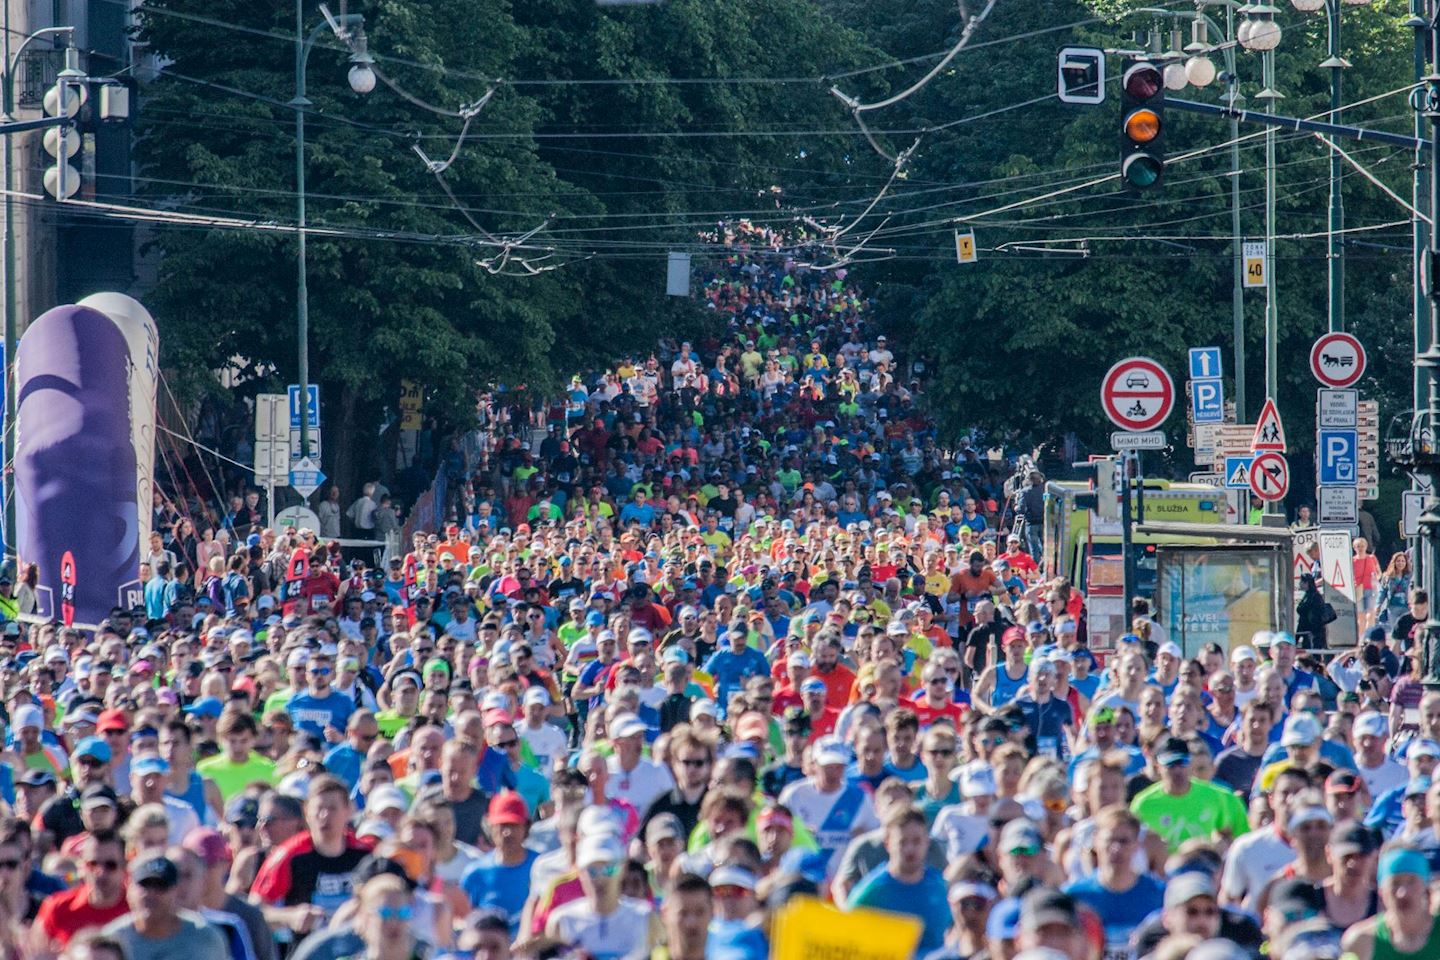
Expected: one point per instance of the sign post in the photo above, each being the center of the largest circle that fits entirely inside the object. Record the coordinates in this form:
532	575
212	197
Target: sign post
272	447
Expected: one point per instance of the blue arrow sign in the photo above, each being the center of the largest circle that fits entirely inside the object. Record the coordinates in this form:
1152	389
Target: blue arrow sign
1204	363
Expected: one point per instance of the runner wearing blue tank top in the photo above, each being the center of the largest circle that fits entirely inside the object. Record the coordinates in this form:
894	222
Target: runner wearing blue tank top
998	685
184	783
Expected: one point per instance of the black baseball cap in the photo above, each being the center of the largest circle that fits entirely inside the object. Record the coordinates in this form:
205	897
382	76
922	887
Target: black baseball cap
1349	836
1297	899
156	872
243	812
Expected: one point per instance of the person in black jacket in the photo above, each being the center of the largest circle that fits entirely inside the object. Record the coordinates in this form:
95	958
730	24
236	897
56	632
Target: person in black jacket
1312	614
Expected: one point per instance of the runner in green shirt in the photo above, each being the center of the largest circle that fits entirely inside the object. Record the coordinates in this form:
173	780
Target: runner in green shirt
1180	808
236	766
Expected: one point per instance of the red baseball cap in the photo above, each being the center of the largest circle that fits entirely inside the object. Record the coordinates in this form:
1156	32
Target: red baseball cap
507	806
113	720
495	716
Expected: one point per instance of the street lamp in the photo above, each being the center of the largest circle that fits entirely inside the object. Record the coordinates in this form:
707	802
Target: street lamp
1259	32
1336	64
350	29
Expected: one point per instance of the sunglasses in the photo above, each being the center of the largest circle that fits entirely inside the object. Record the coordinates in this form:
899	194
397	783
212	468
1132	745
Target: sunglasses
603	869
394	913
941	752
696	763
506	744
729	891
320	671
103	864
974	903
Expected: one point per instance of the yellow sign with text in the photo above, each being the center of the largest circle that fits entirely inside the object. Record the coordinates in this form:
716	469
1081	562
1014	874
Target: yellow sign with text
809	929
412	401
965	246
1254	256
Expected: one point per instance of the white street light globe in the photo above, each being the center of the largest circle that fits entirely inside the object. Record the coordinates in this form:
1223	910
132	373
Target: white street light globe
1175	78
1308	6
362	78
1242	33
1265	35
52	181
1200	71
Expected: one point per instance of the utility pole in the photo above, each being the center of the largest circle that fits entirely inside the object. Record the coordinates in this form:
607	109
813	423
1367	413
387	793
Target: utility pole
1335	256
1419	451
1420	238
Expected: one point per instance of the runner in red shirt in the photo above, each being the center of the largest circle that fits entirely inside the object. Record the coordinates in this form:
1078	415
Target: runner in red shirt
1020	561
96	901
822	717
305	879
934	702
837	677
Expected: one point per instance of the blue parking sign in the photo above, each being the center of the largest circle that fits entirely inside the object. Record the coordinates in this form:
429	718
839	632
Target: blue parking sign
1338	454
1207	400
1204	363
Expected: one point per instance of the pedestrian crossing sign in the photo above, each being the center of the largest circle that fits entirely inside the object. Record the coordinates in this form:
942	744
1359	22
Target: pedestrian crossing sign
1237	472
1269	431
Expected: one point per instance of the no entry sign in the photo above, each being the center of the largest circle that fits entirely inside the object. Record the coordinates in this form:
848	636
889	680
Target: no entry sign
1137	394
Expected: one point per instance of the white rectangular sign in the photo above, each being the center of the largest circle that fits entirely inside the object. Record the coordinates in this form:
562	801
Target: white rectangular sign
1151	440
1337	408
1339	505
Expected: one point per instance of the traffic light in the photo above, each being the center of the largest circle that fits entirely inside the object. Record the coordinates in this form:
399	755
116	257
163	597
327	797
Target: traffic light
1142	123
66	97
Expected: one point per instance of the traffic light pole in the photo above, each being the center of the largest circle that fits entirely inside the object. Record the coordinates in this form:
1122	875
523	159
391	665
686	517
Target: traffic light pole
1297	123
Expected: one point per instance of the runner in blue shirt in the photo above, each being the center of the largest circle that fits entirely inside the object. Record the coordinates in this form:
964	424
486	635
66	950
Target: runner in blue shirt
731	666
905	884
501	878
1121	897
319	707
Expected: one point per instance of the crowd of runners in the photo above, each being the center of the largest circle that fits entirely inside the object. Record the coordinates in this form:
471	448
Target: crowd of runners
736	630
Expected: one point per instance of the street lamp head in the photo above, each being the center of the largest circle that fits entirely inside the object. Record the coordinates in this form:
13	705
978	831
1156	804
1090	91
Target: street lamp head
1175	76
1200	70
1308	6
1265	35
362	78
1242	34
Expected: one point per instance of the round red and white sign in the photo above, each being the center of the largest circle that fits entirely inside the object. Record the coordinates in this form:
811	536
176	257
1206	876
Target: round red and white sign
1337	360
1137	394
1270	477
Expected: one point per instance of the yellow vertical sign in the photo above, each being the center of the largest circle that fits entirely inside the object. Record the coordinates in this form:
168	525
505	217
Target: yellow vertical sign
412	401
965	246
1254	257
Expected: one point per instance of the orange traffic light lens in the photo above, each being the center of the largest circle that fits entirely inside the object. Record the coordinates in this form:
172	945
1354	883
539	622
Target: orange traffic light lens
1142	126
